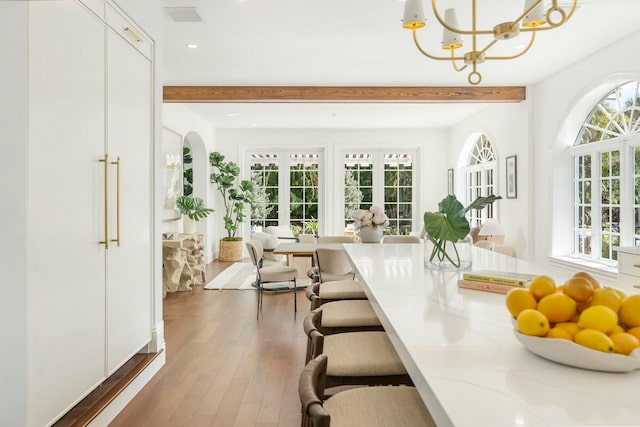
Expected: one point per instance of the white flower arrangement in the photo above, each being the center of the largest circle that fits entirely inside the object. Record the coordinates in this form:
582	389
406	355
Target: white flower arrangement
374	216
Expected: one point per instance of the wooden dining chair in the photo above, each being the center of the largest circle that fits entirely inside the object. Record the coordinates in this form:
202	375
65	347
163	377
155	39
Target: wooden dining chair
276	273
384	406
401	239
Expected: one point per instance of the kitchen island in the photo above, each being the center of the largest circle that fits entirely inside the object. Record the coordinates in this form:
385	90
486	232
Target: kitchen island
459	348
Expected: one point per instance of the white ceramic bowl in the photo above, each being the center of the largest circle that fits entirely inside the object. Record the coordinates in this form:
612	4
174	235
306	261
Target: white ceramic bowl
572	354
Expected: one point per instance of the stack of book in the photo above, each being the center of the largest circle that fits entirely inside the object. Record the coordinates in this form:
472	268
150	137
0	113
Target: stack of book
494	281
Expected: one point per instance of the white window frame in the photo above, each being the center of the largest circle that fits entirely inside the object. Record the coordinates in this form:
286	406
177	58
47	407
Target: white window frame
284	172
378	159
471	172
625	141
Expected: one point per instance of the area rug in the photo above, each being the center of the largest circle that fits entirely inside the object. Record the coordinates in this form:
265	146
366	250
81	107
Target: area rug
242	275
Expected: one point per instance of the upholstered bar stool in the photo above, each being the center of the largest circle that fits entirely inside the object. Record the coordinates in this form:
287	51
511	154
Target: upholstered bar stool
346	316
363	406
357	358
337	290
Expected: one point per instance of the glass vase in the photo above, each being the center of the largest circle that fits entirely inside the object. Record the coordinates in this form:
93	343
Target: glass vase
447	255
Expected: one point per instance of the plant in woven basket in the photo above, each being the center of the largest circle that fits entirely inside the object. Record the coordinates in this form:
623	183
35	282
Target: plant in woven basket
234	195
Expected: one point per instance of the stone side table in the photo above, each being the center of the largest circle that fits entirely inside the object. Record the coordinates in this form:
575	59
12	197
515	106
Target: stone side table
182	262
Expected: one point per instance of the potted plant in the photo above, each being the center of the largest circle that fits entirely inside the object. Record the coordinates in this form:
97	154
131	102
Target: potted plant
193	210
234	197
369	223
446	229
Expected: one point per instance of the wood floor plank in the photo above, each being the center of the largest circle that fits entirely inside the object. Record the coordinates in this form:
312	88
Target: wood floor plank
223	367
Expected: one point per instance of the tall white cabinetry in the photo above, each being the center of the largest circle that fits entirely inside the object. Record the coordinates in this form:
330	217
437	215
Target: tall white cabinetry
89	200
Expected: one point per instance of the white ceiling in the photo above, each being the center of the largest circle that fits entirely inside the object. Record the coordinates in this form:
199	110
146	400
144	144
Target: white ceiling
361	43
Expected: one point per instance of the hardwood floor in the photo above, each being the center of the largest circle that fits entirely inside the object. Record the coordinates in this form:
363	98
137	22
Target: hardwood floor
223	367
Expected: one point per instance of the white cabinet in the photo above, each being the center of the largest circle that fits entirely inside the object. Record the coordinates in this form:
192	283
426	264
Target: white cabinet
629	269
89	307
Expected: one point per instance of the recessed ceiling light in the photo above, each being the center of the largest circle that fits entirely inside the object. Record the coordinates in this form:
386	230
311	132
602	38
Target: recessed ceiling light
232	114
192	46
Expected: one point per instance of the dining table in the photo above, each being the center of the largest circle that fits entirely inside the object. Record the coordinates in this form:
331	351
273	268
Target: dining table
459	347
304	249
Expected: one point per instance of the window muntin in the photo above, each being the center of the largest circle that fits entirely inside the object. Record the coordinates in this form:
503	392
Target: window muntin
303	191
480	174
264	175
606	184
290	180
398	192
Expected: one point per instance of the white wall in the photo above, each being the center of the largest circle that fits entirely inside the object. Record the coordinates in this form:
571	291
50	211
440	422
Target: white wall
560	105
507	127
13	213
180	119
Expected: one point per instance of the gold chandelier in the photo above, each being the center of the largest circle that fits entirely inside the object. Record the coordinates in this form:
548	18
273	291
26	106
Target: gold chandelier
533	19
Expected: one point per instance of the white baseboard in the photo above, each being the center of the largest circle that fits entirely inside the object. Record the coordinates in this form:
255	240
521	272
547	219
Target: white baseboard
157	343
117	405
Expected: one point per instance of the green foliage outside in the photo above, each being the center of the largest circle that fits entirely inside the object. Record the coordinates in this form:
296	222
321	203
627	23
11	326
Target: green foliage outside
187	174
260	207
352	194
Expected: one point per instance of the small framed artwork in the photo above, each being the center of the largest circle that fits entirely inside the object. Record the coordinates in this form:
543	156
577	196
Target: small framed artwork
450	181
512	177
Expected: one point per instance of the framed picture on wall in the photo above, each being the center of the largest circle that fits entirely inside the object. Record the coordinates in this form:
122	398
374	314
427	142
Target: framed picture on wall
450	181
512	177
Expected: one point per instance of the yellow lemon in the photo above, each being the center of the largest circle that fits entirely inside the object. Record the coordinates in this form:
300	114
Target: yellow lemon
589	277
532	322
630	311
635	332
541	286
571	327
560	333
578	288
607	297
598	317
557	307
519	299
616	329
595	340
624	343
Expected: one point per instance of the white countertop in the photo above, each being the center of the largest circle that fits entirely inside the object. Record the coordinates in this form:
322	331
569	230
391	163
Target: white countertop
459	348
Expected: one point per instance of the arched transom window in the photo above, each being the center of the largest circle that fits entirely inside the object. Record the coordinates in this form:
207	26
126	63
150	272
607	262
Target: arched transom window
606	176
480	174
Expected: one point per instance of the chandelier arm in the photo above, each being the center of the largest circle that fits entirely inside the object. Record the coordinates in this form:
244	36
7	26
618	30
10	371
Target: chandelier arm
456	30
494	41
533	37
427	54
453	62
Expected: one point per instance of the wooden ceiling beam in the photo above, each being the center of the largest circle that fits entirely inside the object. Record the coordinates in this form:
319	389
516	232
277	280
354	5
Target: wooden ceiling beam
374	94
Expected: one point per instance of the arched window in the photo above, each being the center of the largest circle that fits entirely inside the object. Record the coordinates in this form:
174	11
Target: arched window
606	176
480	178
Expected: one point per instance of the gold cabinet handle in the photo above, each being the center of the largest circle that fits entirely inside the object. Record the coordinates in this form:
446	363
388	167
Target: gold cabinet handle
105	160
132	34
117	163
637	265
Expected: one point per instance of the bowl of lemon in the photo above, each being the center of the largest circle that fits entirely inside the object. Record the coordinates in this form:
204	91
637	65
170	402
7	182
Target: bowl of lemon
579	323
